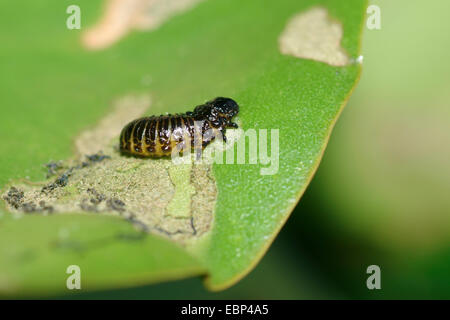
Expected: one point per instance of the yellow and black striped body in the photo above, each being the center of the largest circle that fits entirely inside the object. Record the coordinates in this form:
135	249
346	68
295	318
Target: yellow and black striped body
158	136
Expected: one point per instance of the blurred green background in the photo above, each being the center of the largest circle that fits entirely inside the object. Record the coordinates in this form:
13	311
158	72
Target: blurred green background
380	195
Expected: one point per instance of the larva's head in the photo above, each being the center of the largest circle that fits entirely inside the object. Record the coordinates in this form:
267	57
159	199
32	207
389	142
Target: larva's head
219	111
225	107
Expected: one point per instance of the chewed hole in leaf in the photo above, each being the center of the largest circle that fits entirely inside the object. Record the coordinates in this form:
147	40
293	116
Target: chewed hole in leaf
314	35
162	197
120	17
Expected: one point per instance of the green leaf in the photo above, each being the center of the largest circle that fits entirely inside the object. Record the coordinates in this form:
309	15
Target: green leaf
56	88
37	251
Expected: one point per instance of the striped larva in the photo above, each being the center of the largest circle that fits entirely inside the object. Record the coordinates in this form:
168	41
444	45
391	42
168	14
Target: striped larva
157	136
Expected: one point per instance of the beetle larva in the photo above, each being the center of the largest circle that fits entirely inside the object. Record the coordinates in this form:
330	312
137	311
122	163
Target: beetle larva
157	136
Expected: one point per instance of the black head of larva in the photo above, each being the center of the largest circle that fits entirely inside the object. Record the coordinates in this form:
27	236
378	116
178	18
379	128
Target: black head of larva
219	111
